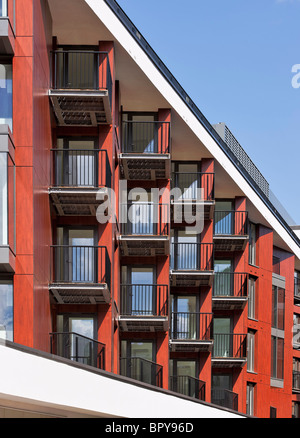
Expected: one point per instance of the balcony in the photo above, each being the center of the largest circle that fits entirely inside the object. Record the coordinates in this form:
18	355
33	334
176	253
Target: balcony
77	177
229	350
297	291
187	385
144	308
195	194
225	398
191	332
145	150
230	291
81	274
144	229
230	230
7	26
191	264
78	348
142	370
296	382
81	89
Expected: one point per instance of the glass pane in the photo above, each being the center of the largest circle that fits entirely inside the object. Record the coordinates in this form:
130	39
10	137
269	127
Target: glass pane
3	200
141	367
3	8
187	180
6	310
222	337
81	258
80	70
6	94
142	291
185	320
223	282
82	349
223	218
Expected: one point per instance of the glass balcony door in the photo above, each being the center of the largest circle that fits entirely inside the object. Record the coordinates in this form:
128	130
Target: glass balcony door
184	317
183	374
185	251
187	179
140	133
223	278
141	215
222	338
221	383
137	361
76	163
6	94
224	218
77	343
77	69
139	289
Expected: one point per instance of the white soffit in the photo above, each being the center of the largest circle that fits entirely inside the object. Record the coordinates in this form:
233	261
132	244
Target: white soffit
115	26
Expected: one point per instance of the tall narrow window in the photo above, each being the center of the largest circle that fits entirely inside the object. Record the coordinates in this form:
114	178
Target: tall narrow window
278	307
6	94
251	351
250	398
6	310
277	359
252	244
252	298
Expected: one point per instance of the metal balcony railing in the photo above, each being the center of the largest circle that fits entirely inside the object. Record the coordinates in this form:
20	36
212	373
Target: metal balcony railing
191	326
230	284
146	137
194	186
80	264
296	380
81	70
187	385
143	218
224	397
79	348
144	299
142	370
81	168
233	223
191	256
229	345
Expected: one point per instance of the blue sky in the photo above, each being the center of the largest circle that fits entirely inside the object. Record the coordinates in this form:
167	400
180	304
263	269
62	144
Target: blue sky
234	58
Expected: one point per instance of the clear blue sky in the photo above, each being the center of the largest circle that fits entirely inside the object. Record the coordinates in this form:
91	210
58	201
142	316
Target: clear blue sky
234	58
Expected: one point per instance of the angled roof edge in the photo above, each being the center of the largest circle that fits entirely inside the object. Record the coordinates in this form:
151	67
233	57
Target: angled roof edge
158	63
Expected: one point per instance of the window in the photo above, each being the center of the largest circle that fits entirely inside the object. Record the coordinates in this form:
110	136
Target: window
6	94
252	298
252	244
138	291
224	218
138	361
251	351
276	265
185	319
250	398
277	357
6	310
3	8
278	298
273	412
7	200
296	330
295	409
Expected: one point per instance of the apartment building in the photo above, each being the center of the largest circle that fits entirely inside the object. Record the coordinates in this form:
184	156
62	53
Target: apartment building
106	167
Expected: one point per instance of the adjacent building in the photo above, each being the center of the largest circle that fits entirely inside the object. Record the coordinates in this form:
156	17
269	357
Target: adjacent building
135	237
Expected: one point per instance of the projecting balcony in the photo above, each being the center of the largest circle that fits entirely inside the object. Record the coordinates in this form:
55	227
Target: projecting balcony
229	350
144	229
142	370
230	290
78	177
187	385
191	264
81	89
81	274
192	193
230	230
225	398
78	348
145	150
191	332
296	382
7	25
144	308
297	291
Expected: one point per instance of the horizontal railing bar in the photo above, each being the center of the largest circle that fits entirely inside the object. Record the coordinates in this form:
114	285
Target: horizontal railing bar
77	334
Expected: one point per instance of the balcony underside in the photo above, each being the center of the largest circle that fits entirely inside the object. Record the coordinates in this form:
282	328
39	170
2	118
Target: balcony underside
149	167
230	243
7	39
141	323
191	278
80	293
229	303
228	362
190	346
186	211
81	107
76	201
144	246
7	259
